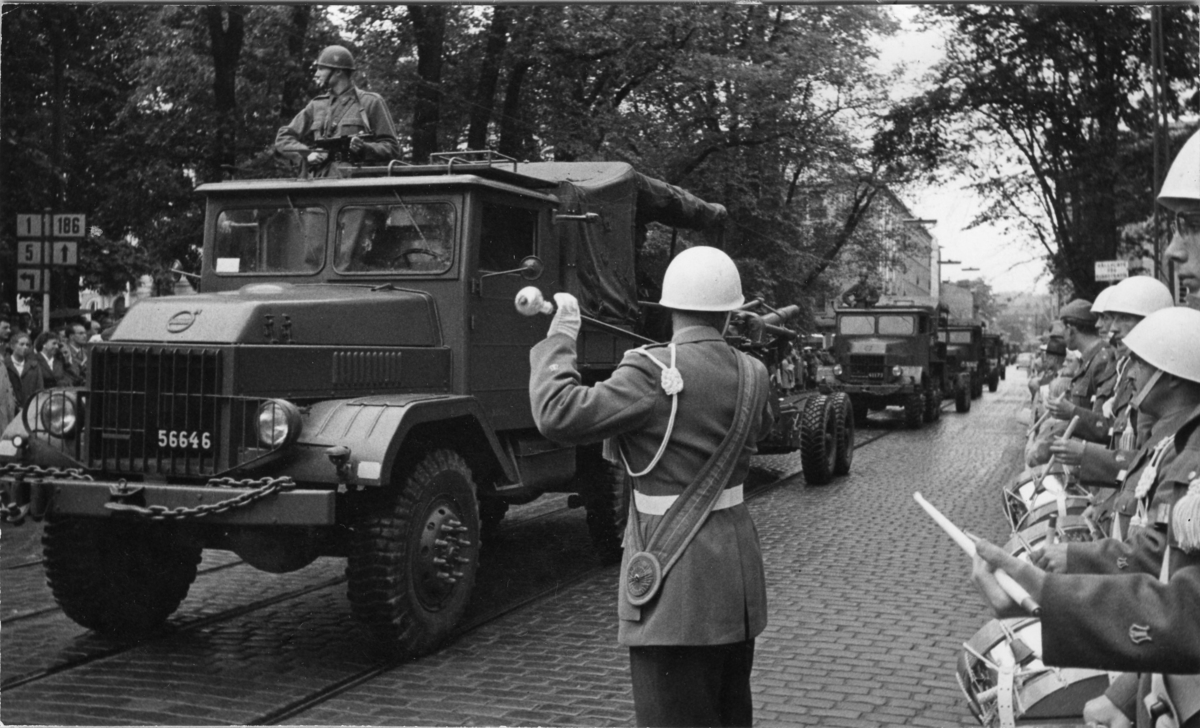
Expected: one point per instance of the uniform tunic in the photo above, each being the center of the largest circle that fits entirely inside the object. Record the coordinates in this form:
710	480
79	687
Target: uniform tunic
1133	622
716	592
349	113
1087	382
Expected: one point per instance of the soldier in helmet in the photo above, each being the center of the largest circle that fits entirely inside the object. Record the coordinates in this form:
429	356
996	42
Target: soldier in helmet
342	111
684	418
862	293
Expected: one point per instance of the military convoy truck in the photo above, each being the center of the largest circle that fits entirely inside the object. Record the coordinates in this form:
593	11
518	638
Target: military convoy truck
995	357
893	354
964	345
351	382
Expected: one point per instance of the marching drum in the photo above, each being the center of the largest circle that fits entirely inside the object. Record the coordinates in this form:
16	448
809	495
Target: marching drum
1029	496
1071	529
1006	684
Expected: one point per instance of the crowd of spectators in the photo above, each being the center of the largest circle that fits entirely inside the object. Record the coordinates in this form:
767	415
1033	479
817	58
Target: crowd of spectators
34	359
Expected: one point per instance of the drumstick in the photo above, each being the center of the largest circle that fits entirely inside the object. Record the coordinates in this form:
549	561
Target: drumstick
1006	582
1054	458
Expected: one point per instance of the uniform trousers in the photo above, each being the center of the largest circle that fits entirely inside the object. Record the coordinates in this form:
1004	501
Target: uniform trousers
693	685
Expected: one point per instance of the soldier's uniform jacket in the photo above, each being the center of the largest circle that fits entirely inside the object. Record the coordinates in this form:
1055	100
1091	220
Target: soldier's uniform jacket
1141	549
1094	425
716	592
1102	465
1087	382
350	113
1134	623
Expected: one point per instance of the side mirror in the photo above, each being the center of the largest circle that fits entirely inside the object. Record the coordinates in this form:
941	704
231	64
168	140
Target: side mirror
532	267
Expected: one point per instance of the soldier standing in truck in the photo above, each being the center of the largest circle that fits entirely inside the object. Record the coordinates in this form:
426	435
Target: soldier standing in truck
861	294
343	111
693	593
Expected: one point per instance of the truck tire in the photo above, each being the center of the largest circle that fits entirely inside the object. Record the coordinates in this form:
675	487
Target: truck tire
976	387
412	565
818	440
604	488
117	577
993	381
844	414
914	410
1004	371
933	405
962	400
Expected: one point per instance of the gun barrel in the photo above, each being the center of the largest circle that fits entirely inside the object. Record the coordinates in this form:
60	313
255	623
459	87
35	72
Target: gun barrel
781	316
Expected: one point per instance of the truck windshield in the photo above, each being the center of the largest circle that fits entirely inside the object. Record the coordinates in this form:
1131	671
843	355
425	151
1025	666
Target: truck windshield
896	325
404	237
960	337
270	240
856	325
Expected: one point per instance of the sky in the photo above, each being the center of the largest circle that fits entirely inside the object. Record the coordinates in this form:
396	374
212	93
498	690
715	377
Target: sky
1005	263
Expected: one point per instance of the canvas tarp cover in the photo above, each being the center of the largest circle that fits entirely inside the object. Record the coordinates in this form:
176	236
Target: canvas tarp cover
606	251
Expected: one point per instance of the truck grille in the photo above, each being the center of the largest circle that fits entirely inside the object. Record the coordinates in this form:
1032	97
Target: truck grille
160	411
870	366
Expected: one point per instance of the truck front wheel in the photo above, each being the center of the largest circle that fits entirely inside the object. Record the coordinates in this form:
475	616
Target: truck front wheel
412	565
605	493
120	577
933	405
962	399
993	381
914	410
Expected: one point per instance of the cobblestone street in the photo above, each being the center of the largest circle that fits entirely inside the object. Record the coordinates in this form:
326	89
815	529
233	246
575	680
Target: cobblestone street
869	605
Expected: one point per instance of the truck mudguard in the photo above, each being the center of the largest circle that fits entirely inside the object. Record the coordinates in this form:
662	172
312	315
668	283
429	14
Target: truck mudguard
375	427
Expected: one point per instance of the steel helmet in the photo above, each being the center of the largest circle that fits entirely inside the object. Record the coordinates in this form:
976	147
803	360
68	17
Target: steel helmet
1162	341
1139	296
336	56
1181	188
702	279
1100	305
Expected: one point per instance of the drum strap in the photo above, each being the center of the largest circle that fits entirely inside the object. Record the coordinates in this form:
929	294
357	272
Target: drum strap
1005	709
1146	482
653	559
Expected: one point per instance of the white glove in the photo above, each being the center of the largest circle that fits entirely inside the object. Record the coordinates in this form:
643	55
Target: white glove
566	319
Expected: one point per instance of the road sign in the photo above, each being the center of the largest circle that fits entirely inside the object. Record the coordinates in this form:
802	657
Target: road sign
29	252
33	280
63	252
69	226
29	226
1111	270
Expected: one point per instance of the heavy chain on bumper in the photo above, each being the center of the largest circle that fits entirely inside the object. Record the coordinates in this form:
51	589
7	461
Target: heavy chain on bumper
23	495
263	487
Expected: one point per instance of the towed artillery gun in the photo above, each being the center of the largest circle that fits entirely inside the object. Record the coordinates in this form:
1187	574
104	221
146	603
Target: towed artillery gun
810	416
352	382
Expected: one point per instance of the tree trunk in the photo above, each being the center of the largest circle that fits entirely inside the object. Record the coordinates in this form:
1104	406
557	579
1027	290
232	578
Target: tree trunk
429	27
515	140
295	83
226	38
489	75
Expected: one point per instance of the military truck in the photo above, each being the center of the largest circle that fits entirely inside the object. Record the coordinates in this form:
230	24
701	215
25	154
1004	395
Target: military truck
995	357
964	344
351	382
890	355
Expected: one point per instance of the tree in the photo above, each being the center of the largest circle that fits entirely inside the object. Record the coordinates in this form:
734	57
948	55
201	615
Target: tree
1058	92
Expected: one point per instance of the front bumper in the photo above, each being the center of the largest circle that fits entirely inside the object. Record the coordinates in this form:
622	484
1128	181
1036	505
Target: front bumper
879	390
72	497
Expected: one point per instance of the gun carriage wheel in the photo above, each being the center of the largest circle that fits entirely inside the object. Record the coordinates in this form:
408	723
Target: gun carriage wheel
818	440
412	566
118	576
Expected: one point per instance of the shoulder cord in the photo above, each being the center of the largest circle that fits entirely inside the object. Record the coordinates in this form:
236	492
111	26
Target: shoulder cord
670	423
1147	479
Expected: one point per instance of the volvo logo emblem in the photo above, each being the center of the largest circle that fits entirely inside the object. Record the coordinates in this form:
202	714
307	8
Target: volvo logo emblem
181	321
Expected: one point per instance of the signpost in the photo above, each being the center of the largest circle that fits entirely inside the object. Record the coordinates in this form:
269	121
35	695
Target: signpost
47	241
1112	270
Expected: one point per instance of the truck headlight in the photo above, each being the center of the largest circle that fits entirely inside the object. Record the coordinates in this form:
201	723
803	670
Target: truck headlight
837	370
897	371
278	423
57	412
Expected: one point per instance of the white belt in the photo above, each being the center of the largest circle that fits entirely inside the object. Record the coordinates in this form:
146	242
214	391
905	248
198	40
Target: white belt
657	505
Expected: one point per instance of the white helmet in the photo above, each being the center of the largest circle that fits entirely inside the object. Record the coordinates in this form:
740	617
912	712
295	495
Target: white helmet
1162	341
1139	296
1181	188
702	279
1100	305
